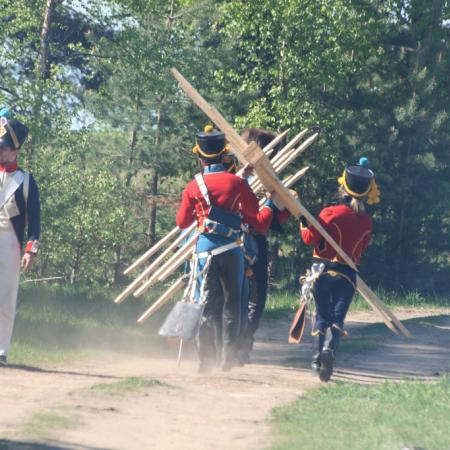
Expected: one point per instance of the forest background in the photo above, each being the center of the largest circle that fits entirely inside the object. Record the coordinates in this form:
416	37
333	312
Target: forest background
112	135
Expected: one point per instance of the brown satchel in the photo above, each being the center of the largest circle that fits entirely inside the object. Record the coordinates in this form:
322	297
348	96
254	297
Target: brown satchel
298	325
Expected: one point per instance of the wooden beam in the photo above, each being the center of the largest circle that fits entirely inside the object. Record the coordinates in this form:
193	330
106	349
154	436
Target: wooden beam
232	136
169	267
294	178
154	265
288	146
287	159
173	290
281	165
151	251
274	142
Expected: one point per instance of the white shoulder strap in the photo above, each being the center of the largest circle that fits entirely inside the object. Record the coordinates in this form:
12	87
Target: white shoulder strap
14	182
202	186
26	187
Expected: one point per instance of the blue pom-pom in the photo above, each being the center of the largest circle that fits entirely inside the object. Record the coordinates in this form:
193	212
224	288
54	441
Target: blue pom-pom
5	112
363	161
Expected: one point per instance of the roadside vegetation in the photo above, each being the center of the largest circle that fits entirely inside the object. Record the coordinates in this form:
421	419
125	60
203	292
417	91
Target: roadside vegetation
58	323
280	303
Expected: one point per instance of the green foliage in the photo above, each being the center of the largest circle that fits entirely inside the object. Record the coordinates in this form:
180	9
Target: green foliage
111	133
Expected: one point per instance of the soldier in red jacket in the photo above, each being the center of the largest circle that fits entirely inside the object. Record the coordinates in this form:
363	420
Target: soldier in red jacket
220	202
258	281
333	291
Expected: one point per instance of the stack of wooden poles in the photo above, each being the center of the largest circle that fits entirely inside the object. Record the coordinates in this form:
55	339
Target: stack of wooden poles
252	154
177	251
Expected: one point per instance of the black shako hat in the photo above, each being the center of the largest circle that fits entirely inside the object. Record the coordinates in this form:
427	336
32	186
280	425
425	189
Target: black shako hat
12	133
357	180
210	143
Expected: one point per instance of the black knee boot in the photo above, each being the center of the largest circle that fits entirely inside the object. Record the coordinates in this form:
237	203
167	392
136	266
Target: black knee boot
328	354
318	341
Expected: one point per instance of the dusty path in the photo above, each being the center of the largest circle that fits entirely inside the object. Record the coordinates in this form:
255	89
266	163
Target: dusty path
188	411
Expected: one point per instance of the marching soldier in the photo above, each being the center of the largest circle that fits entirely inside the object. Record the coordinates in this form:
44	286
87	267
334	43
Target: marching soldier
219	201
259	268
19	204
351	227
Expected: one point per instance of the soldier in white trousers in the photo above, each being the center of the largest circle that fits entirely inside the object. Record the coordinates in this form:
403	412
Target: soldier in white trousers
19	206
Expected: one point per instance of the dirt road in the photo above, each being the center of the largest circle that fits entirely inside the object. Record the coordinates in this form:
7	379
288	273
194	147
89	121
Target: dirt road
165	407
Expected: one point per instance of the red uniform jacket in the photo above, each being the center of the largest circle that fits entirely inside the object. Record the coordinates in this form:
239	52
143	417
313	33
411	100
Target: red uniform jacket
350	230
227	191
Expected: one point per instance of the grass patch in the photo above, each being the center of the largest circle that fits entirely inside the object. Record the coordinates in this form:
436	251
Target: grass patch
23	352
45	423
281	303
127	385
59	323
345	416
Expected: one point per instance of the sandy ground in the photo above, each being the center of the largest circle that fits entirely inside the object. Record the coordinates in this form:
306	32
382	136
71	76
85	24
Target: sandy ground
191	411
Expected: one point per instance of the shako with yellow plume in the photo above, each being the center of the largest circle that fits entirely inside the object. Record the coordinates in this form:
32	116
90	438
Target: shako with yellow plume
358	181
210	143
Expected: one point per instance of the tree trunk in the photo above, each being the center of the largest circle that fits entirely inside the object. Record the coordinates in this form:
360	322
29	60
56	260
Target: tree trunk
133	139
154	187
399	254
117	265
153	208
43	49
274	249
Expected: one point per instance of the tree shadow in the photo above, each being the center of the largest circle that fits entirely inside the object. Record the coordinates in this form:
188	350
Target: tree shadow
371	353
8	444
35	369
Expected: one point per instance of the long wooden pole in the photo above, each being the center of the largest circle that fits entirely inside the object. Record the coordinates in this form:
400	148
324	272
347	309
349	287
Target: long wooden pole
233	137
285	151
281	165
291	180
151	251
169	266
253	155
134	285
285	161
173	290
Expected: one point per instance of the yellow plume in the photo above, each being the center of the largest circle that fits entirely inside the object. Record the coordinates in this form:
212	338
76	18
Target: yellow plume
374	194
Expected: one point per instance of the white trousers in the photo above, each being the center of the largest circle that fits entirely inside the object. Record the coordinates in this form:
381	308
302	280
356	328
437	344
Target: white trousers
9	284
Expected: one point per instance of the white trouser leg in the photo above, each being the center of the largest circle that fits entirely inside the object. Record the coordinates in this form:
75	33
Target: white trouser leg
9	283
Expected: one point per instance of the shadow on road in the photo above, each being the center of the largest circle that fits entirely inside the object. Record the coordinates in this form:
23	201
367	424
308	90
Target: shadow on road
7	444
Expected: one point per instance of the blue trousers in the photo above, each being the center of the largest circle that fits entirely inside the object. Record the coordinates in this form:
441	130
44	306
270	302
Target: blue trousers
332	295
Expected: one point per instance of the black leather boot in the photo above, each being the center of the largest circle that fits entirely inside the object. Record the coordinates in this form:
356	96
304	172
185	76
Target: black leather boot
330	346
318	341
